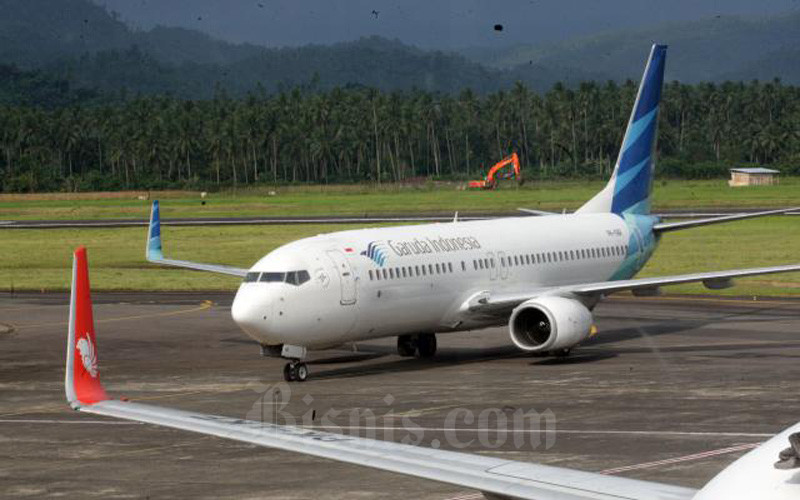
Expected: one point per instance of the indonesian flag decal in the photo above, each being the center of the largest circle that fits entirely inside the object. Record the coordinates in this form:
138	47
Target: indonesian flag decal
85	375
348	250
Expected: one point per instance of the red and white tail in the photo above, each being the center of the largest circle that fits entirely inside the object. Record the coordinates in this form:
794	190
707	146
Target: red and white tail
82	380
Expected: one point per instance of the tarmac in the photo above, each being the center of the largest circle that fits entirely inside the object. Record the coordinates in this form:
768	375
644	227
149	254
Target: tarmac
672	389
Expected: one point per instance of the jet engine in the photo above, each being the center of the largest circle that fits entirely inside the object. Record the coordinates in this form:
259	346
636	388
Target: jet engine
549	324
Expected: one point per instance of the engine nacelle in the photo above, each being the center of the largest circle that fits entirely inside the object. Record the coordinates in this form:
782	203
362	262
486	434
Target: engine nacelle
549	324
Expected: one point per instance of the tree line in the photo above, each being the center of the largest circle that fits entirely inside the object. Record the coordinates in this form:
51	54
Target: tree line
357	134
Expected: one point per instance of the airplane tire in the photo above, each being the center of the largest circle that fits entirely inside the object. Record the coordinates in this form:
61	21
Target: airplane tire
426	345
288	372
301	372
406	346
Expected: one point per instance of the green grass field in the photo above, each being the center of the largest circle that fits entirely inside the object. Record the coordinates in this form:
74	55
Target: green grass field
366	199
41	259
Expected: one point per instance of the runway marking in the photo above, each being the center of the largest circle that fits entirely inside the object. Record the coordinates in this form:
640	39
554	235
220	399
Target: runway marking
555	431
468	496
51	421
2	310
157	448
686	458
422	411
206	304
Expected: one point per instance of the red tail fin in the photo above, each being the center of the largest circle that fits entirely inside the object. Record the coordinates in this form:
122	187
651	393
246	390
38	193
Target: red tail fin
82	382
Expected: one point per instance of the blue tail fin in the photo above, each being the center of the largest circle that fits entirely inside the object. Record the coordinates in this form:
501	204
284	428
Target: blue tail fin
154	251
628	191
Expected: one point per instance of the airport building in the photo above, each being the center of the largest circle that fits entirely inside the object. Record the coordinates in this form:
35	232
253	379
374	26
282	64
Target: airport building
753	177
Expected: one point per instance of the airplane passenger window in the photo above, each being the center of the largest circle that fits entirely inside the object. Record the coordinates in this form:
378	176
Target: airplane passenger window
463	266
378	275
251	277
572	255
403	271
417	270
486	261
480	263
438	271
503	261
371	276
391	273
492	262
423	270
385	274
475	264
273	277
450	266
528	259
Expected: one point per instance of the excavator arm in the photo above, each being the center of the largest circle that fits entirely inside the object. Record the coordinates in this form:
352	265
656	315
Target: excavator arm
491	182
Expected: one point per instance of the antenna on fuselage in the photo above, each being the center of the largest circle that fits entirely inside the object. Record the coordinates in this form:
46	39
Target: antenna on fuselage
455	217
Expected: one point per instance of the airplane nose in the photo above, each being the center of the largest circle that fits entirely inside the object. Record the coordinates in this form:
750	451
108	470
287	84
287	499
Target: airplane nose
249	312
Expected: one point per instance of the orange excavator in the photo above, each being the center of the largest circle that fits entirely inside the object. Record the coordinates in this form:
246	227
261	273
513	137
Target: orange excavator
490	182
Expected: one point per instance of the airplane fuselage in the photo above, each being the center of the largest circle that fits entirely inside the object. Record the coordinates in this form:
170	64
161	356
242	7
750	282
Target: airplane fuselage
371	283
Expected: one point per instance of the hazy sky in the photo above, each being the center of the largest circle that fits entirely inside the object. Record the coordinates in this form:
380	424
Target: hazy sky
425	23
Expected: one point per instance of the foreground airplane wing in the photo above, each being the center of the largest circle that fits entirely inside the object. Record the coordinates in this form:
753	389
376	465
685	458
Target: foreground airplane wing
497	478
488	302
155	254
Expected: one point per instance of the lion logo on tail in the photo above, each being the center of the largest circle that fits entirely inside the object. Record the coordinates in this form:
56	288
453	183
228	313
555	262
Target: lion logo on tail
88	356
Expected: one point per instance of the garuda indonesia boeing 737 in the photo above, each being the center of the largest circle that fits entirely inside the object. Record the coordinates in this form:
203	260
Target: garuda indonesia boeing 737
540	275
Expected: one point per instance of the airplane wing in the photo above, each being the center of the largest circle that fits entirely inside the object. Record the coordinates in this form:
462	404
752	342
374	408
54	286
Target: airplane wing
496	478
488	302
155	254
674	226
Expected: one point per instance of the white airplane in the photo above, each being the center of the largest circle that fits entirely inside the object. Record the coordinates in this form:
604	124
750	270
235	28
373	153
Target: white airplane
540	275
769	472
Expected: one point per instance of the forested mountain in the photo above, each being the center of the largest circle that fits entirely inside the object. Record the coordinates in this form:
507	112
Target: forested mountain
79	42
36	32
88	103
713	49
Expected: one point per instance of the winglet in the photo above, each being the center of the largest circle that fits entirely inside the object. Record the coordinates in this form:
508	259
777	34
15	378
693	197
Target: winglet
82	379
154	251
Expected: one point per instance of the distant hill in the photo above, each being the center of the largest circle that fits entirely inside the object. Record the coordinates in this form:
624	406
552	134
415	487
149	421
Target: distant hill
36	32
709	50
78	43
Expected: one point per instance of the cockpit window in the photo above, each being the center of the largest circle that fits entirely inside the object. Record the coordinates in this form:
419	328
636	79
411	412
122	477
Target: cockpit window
251	277
273	277
296	278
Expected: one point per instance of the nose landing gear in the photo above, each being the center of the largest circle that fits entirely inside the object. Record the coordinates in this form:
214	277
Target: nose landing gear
295	371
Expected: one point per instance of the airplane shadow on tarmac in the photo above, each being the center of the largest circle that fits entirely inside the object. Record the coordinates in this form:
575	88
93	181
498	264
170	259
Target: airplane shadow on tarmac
449	356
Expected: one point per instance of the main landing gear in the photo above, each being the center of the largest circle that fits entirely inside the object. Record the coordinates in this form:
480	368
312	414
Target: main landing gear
422	345
295	371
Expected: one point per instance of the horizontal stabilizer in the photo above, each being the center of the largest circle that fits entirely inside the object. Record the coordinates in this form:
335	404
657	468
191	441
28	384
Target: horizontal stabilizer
674	226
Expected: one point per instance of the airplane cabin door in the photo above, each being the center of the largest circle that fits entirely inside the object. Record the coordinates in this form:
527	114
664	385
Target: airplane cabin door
501	258
491	266
346	279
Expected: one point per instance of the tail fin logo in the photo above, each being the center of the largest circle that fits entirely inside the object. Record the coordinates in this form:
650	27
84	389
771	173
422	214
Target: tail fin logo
88	356
376	252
